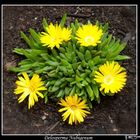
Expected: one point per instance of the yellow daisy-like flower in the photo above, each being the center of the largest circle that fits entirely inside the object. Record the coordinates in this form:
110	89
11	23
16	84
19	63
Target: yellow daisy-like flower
89	35
55	36
52	37
29	87
111	76
66	34
74	109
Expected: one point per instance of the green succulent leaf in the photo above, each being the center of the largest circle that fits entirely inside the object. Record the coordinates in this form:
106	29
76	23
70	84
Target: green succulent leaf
90	92
76	24
96	92
121	57
63	20
88	55
73	90
35	36
61	93
27	39
46	97
80	55
45	24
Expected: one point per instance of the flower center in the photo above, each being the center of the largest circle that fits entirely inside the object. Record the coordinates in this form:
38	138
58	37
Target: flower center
73	107
53	39
108	79
32	87
89	39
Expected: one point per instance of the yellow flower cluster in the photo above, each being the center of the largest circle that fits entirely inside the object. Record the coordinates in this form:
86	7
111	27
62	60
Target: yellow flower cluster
110	76
55	36
87	35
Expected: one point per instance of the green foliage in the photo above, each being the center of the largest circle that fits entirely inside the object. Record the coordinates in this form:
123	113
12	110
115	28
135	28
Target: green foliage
63	20
70	69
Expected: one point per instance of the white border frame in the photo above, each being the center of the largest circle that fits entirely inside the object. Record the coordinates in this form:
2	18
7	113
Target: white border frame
74	5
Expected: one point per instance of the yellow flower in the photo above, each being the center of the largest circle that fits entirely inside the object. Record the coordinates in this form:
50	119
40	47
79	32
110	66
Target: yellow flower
55	36
29	87
89	35
65	34
74	109
52	37
112	77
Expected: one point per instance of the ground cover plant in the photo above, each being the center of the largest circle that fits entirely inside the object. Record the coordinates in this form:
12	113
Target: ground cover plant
78	62
110	105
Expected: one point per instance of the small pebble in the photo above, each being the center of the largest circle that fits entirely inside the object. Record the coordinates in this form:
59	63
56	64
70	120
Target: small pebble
41	7
111	121
11	27
43	117
115	129
133	38
21	19
35	18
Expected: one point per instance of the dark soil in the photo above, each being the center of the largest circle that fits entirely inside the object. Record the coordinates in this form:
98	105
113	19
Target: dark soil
114	115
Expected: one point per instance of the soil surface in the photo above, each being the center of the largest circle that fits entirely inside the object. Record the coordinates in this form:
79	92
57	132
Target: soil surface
114	115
